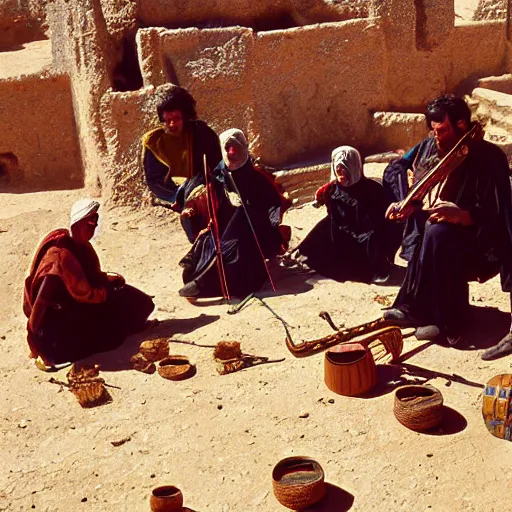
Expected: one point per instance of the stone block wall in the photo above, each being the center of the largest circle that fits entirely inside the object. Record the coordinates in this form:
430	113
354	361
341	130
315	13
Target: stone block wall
38	127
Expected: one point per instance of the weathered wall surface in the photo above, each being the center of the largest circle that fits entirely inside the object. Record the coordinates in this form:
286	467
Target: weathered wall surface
21	21
38	127
301	91
82	48
265	14
490	10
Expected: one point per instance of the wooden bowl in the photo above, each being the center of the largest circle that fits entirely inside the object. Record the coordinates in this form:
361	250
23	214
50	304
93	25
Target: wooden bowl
418	407
176	368
349	369
298	482
166	498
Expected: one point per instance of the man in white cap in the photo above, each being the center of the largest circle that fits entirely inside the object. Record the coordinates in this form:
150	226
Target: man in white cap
74	309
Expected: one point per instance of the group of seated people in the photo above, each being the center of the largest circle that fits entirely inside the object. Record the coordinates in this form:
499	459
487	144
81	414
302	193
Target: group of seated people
231	211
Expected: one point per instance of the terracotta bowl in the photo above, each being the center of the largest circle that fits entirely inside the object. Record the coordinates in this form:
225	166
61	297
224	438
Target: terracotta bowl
166	498
349	369
176	368
298	482
419	408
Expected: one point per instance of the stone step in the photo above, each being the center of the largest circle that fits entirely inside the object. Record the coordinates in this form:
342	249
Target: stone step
493	106
502	138
502	83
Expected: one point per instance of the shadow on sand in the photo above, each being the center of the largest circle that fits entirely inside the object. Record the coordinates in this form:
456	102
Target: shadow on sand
486	326
336	500
119	359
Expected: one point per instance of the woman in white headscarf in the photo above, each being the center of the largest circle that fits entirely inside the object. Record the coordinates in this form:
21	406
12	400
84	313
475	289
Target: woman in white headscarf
350	242
250	210
74	309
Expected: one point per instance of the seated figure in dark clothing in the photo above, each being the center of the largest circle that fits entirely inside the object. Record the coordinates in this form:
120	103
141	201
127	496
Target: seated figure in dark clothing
465	235
172	154
73	308
350	243
246	228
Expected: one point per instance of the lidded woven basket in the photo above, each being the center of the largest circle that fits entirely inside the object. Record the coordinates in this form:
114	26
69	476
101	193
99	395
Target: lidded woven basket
298	482
349	369
419	407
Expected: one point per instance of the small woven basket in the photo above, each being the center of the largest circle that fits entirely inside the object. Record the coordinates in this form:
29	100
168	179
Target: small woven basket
386	344
226	350
176	368
418	407
298	482
155	350
90	393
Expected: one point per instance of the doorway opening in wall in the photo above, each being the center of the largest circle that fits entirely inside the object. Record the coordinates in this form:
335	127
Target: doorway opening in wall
127	75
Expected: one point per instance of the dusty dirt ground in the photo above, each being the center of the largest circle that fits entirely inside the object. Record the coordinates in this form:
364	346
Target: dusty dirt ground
218	437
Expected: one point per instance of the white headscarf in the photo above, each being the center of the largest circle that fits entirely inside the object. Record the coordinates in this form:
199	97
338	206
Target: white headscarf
81	209
237	138
349	158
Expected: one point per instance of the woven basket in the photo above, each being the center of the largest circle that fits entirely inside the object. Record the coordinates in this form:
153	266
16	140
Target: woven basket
155	350
496	406
385	344
349	369
419	408
298	482
176	368
166	498
227	350
89	394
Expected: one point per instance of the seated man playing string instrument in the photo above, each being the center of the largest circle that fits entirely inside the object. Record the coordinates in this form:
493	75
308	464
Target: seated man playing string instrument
172	154
74	309
465	235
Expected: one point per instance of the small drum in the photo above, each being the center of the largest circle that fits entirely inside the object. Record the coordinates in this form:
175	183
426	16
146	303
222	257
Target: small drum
496	406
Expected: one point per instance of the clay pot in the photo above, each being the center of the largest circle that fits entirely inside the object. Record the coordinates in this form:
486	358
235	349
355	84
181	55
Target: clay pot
298	482
349	369
419	408
176	368
166	498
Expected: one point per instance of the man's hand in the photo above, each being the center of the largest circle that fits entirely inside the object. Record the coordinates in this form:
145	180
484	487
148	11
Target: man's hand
451	213
188	212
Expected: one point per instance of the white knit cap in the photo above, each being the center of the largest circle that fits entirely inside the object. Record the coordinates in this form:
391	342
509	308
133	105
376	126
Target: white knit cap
82	208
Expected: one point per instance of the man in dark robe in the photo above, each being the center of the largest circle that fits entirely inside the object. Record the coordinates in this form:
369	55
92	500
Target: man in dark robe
466	235
172	155
249	209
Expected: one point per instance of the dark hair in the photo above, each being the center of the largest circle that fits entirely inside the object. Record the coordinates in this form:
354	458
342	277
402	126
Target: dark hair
448	105
180	99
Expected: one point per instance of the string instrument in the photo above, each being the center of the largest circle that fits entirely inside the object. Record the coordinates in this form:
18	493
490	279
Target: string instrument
402	209
310	347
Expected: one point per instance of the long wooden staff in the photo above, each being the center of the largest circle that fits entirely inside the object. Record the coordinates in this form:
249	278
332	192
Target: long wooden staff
237	191
214	226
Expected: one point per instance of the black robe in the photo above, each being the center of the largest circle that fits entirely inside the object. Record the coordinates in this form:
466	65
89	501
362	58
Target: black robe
351	242
447	256
243	263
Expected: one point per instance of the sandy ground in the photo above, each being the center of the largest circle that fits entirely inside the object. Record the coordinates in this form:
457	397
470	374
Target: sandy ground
218	437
